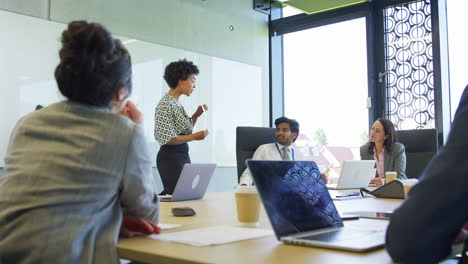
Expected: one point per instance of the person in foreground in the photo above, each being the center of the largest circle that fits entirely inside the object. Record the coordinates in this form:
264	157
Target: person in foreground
75	169
287	131
382	147
173	127
424	227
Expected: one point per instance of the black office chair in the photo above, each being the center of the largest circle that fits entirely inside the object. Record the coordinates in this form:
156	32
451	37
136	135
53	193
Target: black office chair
420	145
247	141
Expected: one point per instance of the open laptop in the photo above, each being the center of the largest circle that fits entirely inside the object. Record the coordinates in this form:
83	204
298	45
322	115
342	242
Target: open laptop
192	183
301	210
355	174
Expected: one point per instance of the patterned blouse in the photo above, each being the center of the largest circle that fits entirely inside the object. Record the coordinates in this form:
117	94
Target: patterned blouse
170	120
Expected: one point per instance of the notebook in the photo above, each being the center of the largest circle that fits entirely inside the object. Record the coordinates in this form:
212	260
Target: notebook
355	174
192	183
301	210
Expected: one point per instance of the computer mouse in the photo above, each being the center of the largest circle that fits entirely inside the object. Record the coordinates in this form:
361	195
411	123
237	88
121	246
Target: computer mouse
183	211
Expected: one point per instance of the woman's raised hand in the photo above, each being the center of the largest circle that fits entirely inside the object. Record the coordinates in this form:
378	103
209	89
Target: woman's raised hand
200	110
132	112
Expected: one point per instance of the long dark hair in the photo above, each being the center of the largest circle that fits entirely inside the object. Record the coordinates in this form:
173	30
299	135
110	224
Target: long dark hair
390	132
93	65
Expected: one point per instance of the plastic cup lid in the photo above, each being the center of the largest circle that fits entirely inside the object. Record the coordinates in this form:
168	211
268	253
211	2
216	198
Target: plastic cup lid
246	189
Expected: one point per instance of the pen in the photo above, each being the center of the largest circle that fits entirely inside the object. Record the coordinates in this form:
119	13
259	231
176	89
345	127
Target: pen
348	194
328	169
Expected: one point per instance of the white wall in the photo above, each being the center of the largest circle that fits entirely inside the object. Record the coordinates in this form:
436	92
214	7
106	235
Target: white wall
201	26
222	85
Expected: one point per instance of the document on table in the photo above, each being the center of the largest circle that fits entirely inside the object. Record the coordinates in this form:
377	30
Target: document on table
167	226
162	226
213	235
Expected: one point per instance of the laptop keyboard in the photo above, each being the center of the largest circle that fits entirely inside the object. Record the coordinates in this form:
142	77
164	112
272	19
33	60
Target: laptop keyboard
342	235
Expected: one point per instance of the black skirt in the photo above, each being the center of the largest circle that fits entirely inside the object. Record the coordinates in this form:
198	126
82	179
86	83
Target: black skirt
170	162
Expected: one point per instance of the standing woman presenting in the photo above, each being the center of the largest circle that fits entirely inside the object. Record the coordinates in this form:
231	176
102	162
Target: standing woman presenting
383	148
173	127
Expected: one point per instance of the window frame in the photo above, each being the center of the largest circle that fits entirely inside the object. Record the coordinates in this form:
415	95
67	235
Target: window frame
280	26
373	12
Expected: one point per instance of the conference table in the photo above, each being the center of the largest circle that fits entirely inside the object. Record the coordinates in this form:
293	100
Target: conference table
220	209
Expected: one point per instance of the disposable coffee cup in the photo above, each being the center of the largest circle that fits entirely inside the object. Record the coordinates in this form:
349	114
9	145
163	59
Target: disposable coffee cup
406	189
408	184
248	205
390	176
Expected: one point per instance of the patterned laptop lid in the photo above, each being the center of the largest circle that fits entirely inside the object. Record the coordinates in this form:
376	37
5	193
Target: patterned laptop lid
294	196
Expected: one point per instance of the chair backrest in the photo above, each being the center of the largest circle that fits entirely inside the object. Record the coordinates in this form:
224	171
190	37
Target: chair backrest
247	141
420	145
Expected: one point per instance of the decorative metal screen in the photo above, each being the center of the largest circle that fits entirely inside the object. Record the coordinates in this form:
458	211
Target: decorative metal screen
409	77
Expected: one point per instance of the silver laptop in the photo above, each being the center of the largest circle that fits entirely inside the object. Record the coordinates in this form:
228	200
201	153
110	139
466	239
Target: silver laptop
355	174
301	210
192	183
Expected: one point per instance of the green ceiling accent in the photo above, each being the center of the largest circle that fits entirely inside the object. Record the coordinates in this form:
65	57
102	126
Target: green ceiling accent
317	6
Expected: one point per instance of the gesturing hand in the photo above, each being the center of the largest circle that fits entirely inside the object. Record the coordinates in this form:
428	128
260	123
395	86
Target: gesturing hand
200	111
200	135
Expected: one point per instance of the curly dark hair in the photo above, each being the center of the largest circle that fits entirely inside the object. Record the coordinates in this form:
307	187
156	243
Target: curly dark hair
293	124
390	132
179	71
93	65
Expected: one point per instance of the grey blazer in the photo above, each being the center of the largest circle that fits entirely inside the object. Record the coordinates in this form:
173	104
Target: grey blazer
393	161
70	172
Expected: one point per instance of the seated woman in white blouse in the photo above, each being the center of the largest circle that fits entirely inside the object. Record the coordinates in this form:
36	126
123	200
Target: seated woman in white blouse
383	148
173	127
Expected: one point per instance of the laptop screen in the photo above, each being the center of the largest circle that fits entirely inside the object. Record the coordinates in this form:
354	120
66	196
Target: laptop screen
294	196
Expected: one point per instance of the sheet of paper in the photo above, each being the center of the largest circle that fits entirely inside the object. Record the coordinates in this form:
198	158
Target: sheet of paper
167	226
213	235
162	226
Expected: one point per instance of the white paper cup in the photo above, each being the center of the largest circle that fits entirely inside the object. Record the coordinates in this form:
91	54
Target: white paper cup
248	205
390	176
